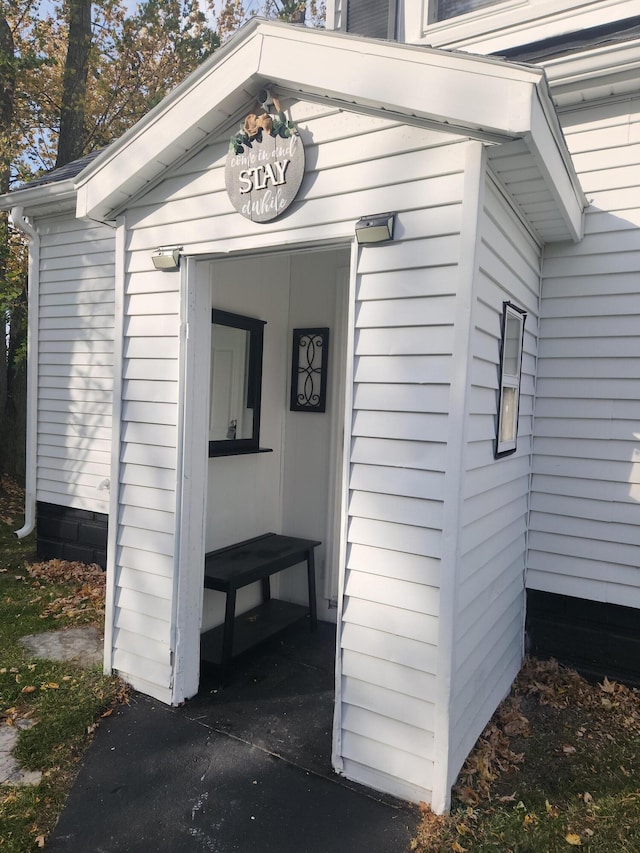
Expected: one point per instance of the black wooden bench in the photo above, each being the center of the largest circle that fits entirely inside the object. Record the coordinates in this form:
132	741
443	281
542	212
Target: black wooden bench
229	569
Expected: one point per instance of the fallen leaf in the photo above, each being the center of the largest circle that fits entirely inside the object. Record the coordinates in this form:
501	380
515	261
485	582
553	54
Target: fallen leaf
573	839
568	749
587	797
468	796
40	841
551	810
458	848
53	685
108	713
29	689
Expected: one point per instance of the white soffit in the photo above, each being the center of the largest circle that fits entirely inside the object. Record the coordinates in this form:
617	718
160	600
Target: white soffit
603	72
477	97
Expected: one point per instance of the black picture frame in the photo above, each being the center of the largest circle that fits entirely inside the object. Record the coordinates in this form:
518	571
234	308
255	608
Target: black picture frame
309	363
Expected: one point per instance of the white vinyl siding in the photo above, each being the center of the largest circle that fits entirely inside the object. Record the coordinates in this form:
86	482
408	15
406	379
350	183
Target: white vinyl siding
585	513
489	617
75	365
402	369
145	565
402	372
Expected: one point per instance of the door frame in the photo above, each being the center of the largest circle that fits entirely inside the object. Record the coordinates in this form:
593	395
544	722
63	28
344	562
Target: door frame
192	453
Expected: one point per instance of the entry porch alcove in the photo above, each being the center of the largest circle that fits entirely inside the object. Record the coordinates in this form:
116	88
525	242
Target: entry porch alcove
279	468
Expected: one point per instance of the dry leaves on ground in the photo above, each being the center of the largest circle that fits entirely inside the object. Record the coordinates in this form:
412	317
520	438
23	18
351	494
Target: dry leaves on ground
492	754
85	602
609	707
558	687
11	501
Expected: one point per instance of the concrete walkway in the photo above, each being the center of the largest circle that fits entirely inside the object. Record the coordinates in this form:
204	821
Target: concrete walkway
244	769
82	645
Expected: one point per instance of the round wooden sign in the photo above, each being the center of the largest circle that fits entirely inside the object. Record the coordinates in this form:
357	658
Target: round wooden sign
263	180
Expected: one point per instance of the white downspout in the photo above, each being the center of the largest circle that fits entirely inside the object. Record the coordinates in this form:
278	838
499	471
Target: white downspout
18	219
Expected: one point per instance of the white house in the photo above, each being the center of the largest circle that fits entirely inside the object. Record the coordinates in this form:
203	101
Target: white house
480	428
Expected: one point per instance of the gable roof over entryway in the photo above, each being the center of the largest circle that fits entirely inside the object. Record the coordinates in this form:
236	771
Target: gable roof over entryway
475	97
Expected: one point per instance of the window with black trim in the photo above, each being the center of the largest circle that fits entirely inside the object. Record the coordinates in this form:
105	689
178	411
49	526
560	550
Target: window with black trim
236	383
445	9
513	319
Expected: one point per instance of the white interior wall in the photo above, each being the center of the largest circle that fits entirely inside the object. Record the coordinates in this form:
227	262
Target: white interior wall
287	489
308	462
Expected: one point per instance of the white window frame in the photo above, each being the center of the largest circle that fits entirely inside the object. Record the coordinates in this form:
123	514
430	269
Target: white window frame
507	23
433	4
510	380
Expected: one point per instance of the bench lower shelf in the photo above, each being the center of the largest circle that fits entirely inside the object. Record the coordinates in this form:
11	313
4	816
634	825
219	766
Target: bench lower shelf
251	628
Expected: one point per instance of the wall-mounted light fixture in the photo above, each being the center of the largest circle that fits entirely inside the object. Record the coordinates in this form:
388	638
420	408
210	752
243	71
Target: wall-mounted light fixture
167	258
375	229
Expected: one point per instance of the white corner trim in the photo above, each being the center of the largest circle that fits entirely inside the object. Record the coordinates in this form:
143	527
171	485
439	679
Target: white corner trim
191	478
472	203
337	758
116	427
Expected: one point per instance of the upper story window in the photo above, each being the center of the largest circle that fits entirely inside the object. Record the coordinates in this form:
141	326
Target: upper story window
373	18
442	10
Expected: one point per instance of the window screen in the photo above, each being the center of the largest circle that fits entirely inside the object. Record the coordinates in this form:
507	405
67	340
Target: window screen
444	9
374	18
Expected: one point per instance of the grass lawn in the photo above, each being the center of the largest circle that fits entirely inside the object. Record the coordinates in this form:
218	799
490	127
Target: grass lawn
63	700
557	767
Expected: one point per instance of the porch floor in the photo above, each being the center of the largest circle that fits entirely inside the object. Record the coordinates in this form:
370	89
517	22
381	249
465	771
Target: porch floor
244	767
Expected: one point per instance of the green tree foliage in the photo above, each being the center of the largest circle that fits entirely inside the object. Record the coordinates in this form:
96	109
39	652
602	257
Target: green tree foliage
74	76
234	13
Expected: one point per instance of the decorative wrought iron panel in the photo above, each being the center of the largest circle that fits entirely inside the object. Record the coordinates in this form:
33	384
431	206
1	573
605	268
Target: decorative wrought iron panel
309	364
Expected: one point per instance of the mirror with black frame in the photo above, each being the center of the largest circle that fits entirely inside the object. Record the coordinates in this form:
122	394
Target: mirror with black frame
236	381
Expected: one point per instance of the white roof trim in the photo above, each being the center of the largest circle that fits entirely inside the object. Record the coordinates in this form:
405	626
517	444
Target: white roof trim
594	73
480	97
54	196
